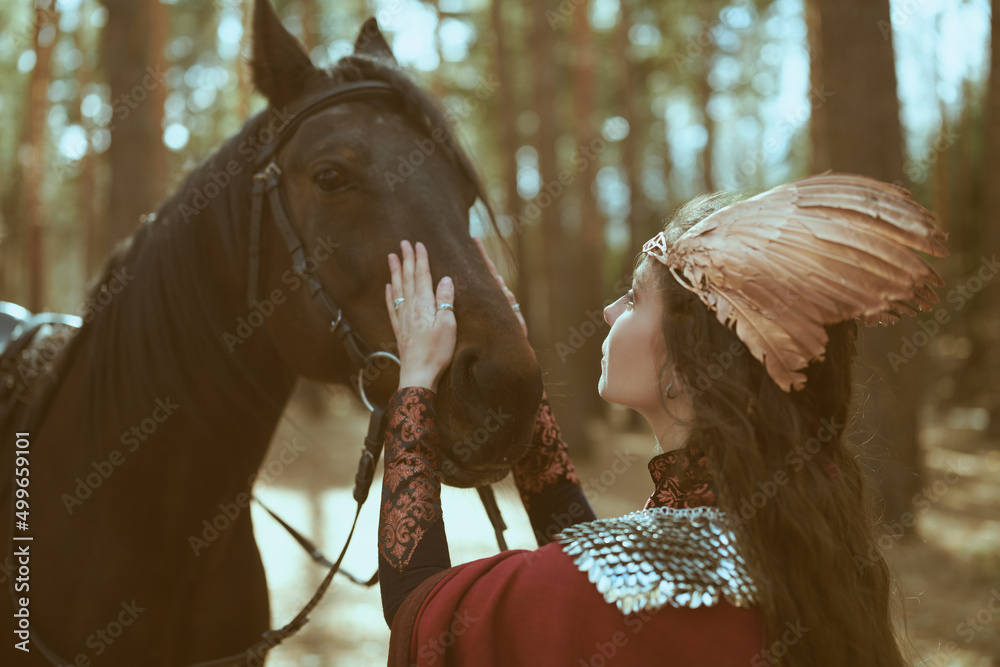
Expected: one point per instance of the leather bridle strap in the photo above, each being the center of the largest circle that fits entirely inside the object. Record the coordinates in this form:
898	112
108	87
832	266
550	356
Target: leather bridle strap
268	154
268	182
343	93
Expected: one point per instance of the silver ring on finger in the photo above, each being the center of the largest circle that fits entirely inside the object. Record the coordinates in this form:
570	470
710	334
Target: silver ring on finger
445	306
396	302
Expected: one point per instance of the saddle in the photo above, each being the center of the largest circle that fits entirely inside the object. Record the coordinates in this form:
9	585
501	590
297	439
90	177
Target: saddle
17	322
22	334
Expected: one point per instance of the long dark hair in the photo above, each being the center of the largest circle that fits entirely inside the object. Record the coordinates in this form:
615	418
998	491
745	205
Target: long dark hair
788	475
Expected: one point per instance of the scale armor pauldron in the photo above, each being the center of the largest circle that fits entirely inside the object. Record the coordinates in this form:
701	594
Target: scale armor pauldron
647	559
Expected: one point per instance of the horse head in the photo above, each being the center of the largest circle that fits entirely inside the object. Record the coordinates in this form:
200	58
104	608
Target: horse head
357	177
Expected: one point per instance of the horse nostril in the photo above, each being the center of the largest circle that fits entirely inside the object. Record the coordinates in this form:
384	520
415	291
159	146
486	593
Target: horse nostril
465	366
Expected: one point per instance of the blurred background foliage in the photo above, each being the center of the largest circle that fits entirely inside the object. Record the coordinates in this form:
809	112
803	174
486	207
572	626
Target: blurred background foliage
108	104
591	120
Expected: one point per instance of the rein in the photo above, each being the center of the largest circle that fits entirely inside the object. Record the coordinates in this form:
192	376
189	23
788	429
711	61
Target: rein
267	181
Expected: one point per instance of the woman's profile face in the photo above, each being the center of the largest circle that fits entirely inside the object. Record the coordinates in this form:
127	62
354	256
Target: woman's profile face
634	347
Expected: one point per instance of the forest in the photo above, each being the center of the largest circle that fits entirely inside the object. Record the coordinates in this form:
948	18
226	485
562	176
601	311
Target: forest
590	121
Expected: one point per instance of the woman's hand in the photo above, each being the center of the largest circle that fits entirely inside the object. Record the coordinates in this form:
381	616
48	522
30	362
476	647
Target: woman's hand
425	331
511	299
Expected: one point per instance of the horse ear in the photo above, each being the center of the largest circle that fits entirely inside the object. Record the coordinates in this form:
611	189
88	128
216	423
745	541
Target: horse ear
371	42
279	64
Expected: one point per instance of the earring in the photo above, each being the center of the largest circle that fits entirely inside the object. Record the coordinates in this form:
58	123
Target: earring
667	392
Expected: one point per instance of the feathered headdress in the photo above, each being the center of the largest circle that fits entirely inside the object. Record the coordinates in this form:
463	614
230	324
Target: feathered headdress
778	267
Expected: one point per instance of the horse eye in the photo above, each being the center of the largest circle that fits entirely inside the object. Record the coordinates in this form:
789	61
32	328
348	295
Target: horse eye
330	180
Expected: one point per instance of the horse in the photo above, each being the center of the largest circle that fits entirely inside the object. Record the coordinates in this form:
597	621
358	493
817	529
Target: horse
151	420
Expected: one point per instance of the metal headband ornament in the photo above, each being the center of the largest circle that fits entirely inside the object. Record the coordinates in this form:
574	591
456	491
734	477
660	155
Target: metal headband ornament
778	267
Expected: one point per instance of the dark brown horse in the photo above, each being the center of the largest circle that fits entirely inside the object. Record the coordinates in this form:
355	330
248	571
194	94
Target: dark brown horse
157	413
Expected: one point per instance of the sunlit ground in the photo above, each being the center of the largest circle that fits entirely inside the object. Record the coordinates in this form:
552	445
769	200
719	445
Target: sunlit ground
947	580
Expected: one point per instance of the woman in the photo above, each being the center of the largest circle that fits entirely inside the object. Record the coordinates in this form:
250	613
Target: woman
757	544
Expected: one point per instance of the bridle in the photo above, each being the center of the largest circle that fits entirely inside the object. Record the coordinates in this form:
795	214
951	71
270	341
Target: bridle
267	181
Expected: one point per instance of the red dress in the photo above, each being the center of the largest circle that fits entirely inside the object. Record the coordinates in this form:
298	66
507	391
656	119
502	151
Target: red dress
534	607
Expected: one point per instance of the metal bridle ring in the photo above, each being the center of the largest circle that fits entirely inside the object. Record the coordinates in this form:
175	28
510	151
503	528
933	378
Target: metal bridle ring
361	375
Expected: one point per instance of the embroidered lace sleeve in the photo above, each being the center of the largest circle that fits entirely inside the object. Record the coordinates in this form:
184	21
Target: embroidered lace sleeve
547	481
412	543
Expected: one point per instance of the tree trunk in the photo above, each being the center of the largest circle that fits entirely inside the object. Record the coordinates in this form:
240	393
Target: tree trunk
437	84
561	305
243	63
963	241
704	91
588	270
631	151
506	124
10	230
159	172
819	131
307	10
991	206
942	201
93	226
36	111
545	89
130	57
857	129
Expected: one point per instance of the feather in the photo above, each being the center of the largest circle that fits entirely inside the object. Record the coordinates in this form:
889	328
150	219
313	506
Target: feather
780	266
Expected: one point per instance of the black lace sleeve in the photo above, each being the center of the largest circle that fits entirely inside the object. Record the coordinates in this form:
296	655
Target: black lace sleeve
412	544
547	481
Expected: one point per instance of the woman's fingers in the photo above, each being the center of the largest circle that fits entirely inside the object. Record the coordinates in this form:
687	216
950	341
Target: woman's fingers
395	289
390	305
395	273
411	280
426	336
423	285
489	262
511	299
408	262
445	294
